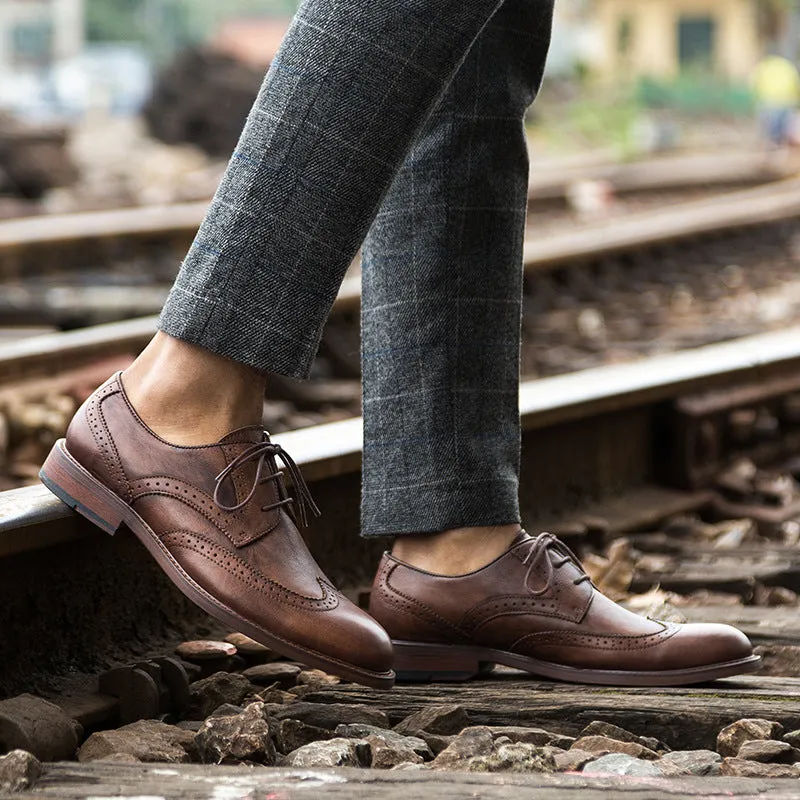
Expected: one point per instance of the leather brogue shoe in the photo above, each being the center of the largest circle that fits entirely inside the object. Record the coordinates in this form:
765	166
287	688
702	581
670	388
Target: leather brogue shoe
221	524
534	608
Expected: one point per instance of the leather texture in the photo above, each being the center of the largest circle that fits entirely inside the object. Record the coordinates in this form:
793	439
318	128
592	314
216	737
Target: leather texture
226	519
536	601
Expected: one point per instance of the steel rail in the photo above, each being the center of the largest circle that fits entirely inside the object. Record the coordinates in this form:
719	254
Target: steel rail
647	229
32	517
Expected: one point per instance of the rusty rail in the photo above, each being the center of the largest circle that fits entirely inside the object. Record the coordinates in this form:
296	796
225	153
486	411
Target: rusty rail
636	232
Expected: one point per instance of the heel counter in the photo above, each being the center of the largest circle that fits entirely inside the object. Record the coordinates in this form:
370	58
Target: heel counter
402	616
89	440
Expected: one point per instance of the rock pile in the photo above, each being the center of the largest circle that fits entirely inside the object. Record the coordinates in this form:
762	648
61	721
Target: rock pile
260	716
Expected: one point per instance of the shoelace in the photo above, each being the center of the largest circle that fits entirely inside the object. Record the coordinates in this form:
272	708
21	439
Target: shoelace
262	452
538	553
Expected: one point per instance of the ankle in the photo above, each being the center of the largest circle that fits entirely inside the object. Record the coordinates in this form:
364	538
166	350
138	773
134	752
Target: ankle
191	396
456	551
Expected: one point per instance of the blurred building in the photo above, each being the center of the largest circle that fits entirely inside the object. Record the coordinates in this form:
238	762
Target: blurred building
35	34
35	37
663	38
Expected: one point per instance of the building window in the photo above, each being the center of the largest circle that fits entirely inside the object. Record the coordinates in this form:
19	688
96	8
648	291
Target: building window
696	42
32	43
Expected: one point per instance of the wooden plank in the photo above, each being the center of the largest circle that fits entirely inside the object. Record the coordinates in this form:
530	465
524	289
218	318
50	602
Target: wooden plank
684	718
71	781
779	625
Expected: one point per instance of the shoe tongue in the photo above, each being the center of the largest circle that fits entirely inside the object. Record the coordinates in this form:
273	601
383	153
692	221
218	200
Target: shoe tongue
251	434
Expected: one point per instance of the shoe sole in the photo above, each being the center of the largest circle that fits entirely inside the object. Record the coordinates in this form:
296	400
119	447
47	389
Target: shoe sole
416	662
80	490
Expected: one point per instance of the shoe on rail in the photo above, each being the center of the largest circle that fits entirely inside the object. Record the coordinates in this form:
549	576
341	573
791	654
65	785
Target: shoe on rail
534	608
219	521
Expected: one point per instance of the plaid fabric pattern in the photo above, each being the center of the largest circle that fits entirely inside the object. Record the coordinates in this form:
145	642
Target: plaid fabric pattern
356	85
442	284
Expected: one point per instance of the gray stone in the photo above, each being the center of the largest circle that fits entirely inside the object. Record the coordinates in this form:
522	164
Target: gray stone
695	762
417	745
621	764
235	738
226	710
146	739
30	723
443	719
292	734
513	757
121	758
390	754
436	741
572	760
316	678
769	752
205	650
731	738
19	770
280	672
192	725
535	736
793	738
742	768
471	742
250	647
603	745
330	715
332	753
208	694
274	695
599	728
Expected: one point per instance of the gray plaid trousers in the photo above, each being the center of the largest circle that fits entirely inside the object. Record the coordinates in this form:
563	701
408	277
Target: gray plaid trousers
398	121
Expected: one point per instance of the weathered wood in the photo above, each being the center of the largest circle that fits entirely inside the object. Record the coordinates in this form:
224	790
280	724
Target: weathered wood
779	625
684	718
70	781
729	572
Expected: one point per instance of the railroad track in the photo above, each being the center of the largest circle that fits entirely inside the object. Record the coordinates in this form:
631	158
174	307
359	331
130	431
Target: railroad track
606	452
630	444
590	250
80	269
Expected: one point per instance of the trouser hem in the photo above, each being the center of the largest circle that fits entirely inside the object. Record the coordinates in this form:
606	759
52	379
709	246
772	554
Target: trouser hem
223	330
418	510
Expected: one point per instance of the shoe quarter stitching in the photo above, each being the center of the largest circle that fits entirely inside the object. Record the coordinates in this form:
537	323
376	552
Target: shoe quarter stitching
105	442
188	540
599	641
143	487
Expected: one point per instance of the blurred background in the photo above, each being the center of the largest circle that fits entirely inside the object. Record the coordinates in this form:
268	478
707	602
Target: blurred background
90	90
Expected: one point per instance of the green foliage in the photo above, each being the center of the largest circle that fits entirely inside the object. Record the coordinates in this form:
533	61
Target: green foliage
165	25
115	20
694	93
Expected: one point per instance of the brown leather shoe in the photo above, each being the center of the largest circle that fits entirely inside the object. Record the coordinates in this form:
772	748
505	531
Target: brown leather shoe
215	518
534	608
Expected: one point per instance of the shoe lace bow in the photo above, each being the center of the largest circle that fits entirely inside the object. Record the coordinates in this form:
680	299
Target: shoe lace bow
263	453
539	559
